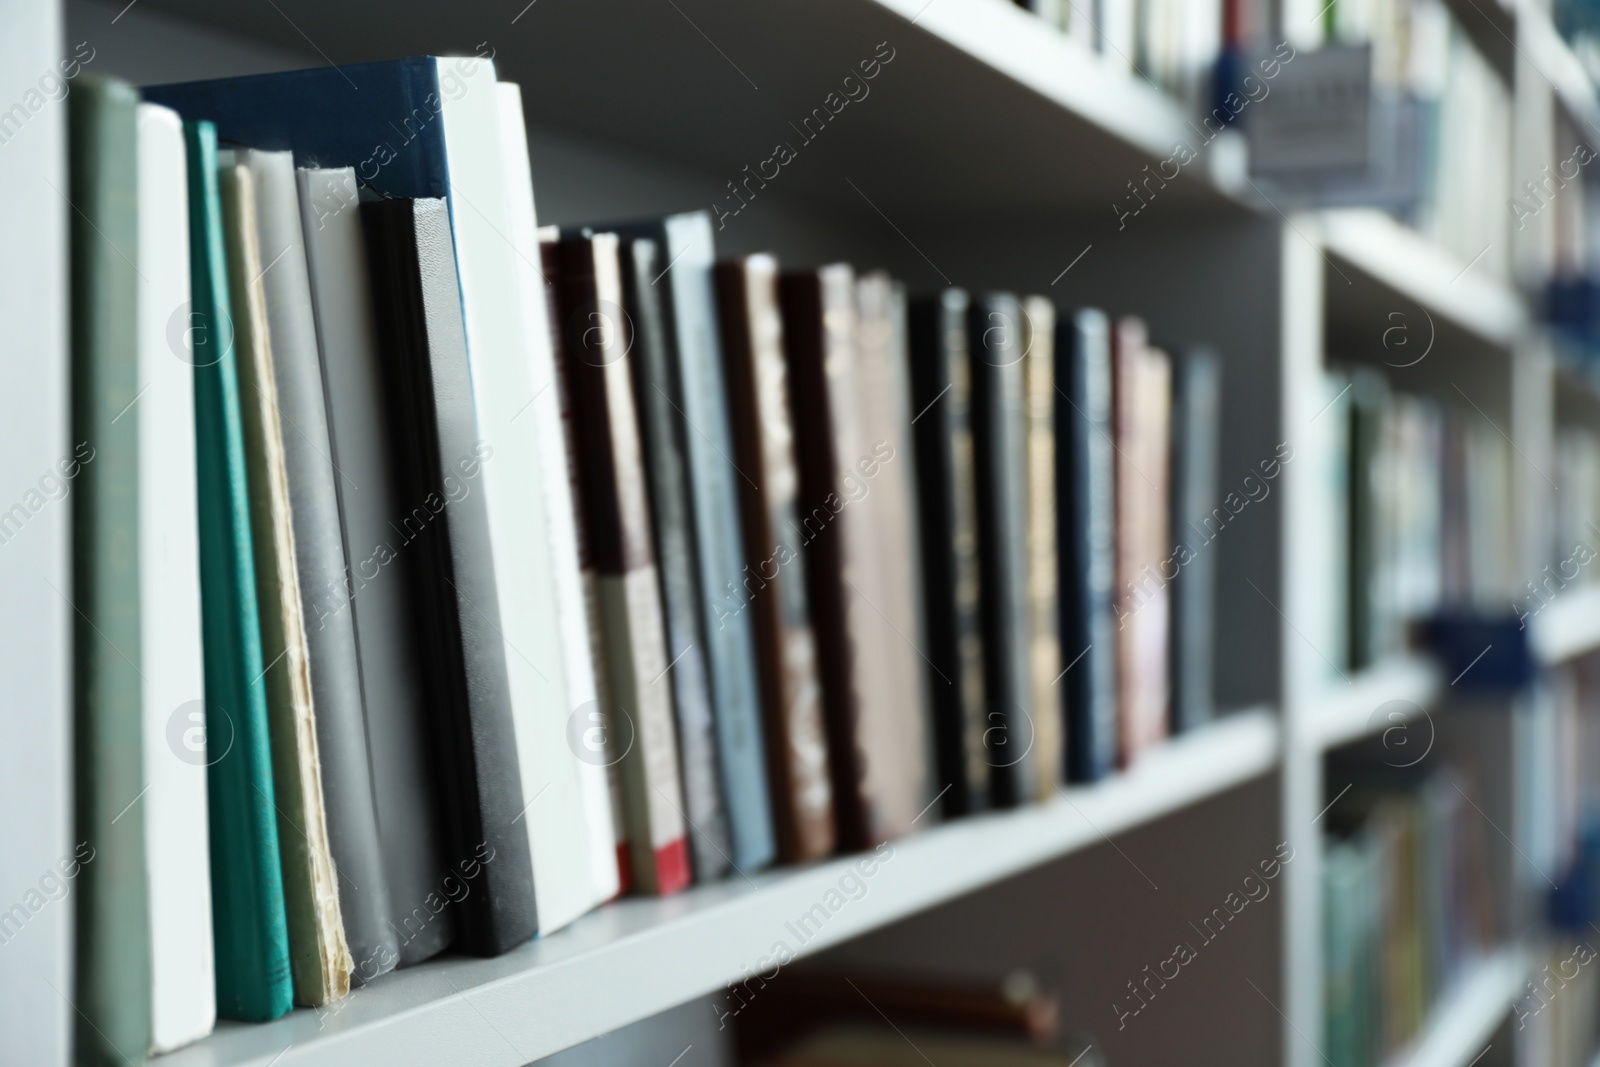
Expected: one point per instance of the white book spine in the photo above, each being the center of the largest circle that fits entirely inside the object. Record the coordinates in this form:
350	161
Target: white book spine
572	607
499	353
182	986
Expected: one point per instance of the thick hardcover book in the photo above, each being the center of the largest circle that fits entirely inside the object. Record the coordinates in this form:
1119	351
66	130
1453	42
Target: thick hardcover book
574	859
183	999
1142	405
439	454
1000	446
398	856
941	394
1196	441
686	249
772	590
874	731
248	923
658	395
439	126
596	348
318	956
1086	490
113	932
1049	708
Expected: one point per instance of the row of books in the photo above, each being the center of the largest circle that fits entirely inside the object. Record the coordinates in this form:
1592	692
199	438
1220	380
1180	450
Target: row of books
523	567
1405	906
1417	492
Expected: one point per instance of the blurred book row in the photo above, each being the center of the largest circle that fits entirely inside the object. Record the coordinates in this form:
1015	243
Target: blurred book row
440	577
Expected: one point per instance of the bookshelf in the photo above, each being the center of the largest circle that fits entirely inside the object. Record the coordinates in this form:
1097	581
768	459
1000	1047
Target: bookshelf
653	954
991	145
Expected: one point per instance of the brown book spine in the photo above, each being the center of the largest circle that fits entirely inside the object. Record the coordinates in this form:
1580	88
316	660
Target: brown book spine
1044	652
1142	402
596	344
774	577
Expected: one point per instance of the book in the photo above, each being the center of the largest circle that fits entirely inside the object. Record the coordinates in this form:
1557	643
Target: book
183	998
1049	708
657	391
1141	406
1000	457
874	734
941	393
1196	442
597	343
889	512
439	455
686	245
336	780
773	588
392	862
318	956
113	950
249	928
1086	490
586	871
595	734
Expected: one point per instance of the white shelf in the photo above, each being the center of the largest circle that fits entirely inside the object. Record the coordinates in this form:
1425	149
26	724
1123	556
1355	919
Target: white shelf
1407	264
1555	61
1461	1025
1405	685
637	957
1568	626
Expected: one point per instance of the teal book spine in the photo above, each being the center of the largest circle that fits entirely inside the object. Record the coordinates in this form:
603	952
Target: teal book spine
113	934
247	909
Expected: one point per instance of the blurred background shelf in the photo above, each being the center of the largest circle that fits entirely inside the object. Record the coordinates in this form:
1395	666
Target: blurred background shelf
1462	1024
647	955
1568	626
1405	685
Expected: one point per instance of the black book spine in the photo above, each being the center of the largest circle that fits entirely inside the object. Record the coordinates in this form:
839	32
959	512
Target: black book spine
423	352
941	393
1086	491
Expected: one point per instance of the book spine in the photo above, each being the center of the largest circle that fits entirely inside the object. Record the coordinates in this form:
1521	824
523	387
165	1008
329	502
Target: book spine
596	343
941	393
1085	475
1142	392
597	734
774	579
999	434
332	693
687	244
249	926
113	933
659	400
1196	429
1044	605
818	322
405	845
436	439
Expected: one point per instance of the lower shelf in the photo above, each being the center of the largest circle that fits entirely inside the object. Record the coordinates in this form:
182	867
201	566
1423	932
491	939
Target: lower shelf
1461	1025
632	959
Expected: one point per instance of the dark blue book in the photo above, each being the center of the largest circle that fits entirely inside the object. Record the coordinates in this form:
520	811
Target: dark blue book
1084	487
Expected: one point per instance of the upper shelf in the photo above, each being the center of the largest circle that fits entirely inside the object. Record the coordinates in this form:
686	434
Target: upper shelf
1568	626
983	108
639	956
1553	60
1382	267
1386	695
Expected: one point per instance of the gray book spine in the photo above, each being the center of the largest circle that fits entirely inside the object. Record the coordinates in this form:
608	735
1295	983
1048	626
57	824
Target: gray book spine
1088	563
687	244
659	401
375	760
1196	433
999	433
